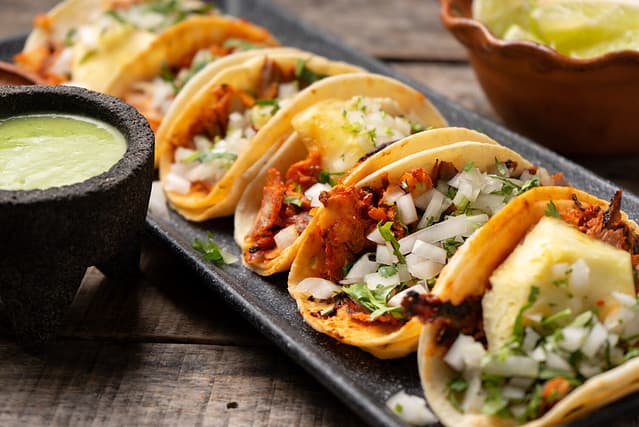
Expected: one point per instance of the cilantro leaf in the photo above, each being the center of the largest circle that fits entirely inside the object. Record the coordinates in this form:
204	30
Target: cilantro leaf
240	44
326	177
374	300
305	74
210	250
297	201
551	210
387	270
387	234
518	329
469	166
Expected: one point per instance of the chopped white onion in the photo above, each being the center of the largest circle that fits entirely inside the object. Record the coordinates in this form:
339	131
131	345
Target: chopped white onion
579	277
559	271
202	143
376	237
391	196
489	203
544	177
406	209
424	199
208	171
618	319
373	280
228	257
573	338
434	208
625	299
422	268
538	354
461	225
411	409
473	398
318	288
455	355
530	340
589	370
360	268
385	255
512	366
518	410
429	251
521	382
286	237
176	183
157	201
182	153
594	341
555	361
314	192
396	300
404	274
512	393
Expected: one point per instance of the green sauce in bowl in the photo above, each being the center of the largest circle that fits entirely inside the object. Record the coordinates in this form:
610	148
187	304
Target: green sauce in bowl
39	151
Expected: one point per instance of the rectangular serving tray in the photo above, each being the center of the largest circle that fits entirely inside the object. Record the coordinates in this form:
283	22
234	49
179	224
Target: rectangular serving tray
361	381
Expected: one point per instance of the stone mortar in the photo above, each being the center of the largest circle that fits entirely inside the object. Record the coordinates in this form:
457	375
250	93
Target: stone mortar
49	237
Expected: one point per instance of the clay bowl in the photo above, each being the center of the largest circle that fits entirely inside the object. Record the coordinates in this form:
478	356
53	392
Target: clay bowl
49	237
570	105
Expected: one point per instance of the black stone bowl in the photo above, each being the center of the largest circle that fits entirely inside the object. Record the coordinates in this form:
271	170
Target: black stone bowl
49	237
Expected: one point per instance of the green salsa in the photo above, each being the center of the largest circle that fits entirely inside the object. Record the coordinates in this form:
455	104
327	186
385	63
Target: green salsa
40	151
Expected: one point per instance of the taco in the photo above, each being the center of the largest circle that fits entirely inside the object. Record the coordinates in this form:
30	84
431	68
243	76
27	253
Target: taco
340	121
87	42
151	80
219	140
393	232
535	319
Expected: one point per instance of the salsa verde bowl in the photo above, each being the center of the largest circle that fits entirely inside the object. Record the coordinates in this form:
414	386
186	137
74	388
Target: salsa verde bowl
50	236
575	106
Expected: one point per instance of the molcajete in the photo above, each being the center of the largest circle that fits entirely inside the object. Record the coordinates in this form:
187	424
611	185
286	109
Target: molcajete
49	237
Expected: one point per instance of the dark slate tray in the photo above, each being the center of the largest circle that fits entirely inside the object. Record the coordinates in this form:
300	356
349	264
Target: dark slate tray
358	379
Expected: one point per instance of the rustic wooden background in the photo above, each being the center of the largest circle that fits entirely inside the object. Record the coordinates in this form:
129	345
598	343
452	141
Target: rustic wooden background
163	351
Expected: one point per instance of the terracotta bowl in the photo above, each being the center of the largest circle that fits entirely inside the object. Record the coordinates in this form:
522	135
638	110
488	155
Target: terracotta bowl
49	237
571	105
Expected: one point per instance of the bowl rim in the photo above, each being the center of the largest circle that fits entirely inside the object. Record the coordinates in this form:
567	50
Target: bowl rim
136	130
456	23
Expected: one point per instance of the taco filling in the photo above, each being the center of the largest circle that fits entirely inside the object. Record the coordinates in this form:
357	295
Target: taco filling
337	134
561	308
154	97
55	60
224	130
381	243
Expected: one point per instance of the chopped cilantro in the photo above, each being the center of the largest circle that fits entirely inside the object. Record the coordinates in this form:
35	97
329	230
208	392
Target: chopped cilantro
211	251
495	402
325	177
297	201
206	157
632	353
373	299
69	38
305	74
558	316
416	127
469	166
518	330
346	268
501	168
87	55
551	210
531	183
387	234
273	103
387	270
450	246
328	311
398	408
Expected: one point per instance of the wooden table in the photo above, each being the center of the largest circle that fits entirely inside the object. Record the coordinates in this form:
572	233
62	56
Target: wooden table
160	350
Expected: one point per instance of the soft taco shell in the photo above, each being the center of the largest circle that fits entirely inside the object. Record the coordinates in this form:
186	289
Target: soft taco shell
412	103
224	195
379	339
467	275
200	82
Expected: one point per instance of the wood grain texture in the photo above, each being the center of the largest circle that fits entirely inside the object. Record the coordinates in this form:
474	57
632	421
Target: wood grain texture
113	384
401	29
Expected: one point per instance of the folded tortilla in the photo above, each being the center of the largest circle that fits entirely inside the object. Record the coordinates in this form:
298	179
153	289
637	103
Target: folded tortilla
89	42
522	229
151	79
209	111
342	233
318	136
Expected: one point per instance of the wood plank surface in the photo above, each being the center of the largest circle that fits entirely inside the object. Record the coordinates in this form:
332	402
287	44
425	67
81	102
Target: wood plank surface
81	383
